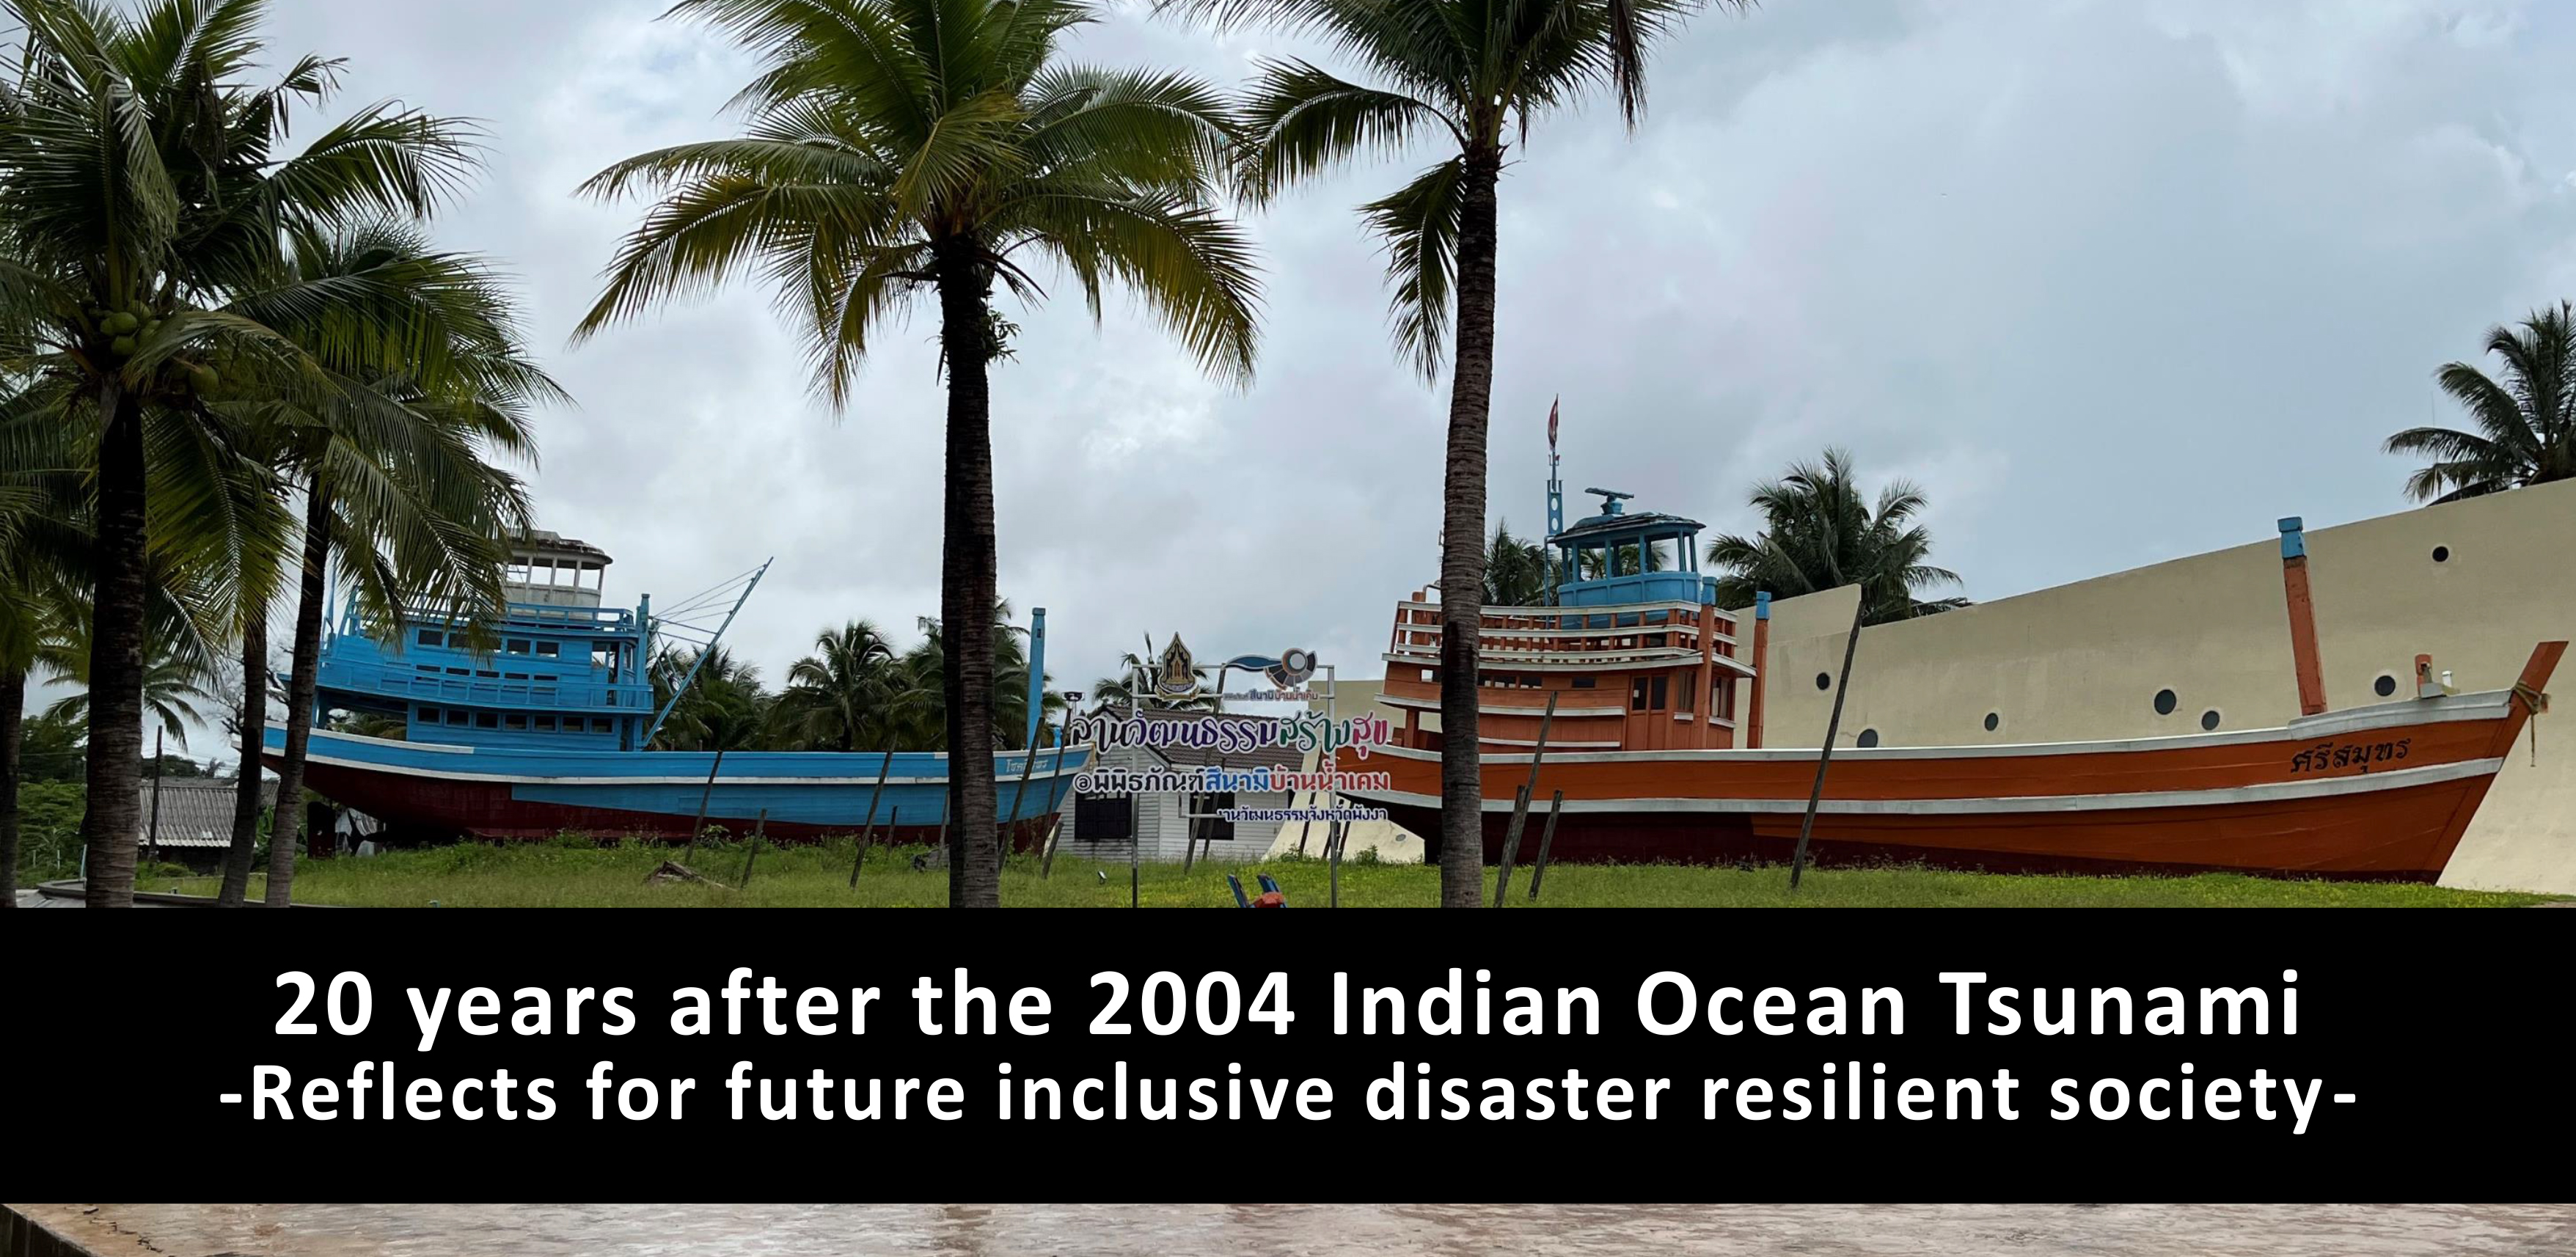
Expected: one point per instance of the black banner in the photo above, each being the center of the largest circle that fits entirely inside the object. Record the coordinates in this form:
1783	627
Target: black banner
1797	1055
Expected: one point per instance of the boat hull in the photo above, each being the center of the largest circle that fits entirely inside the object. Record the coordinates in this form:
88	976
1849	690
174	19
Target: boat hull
2403	836
2376	793
429	791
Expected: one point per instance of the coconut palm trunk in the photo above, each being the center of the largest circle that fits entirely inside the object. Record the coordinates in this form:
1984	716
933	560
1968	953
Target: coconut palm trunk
13	702
967	581
1462	544
302	681
254	725
113	818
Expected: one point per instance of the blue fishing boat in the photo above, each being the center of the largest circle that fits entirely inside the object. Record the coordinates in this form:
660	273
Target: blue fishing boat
537	725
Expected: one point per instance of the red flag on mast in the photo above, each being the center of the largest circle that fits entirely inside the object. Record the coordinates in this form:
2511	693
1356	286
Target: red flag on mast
1551	423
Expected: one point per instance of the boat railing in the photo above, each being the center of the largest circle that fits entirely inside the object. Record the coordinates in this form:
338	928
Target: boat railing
567	694
1621	633
577	617
522	614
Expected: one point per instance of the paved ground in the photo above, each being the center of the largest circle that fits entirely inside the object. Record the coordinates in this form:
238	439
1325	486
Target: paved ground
1311	1230
39	899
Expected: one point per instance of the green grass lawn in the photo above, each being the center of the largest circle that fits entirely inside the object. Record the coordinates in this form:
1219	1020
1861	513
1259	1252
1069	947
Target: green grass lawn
567	874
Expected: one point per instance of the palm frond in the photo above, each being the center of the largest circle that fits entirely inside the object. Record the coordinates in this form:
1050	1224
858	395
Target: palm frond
1418	227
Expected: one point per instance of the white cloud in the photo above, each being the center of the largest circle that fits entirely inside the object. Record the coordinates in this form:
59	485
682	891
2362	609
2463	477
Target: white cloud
2115	281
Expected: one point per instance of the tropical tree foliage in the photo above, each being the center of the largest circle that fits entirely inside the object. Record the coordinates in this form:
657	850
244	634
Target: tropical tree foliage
839	697
1819	533
897	148
393	459
41	551
147	188
1469	76
2526	422
855	693
724	707
175	676
1519	572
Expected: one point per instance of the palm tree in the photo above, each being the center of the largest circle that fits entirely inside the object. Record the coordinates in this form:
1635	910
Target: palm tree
174	672
42	495
2526	424
1010	680
19	585
903	146
836	697
1517	571
1818	533
393	456
724	708
141	180
17	651
1468	73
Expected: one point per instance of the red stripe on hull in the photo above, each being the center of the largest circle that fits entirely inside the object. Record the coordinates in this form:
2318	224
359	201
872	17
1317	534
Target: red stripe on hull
2397	835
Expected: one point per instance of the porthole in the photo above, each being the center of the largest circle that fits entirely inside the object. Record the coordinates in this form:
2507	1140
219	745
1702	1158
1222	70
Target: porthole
2441	554
2385	685
1994	721
1869	737
1824	681
2165	701
2209	720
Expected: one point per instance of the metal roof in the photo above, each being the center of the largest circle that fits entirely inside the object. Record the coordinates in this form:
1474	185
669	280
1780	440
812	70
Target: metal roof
1623	524
540	540
195	811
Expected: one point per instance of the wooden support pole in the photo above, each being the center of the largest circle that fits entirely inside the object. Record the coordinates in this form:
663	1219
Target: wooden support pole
759	830
1202	828
894	820
1833	725
1046	846
1546	841
1511	843
871	831
1019	794
2303	618
1055	815
1189	832
1521	799
1307	824
699	826
152	840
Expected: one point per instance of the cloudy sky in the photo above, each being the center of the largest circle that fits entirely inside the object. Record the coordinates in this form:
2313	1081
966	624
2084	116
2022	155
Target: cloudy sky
2114	281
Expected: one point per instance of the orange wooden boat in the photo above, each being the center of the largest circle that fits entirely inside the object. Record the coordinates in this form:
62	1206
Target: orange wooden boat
1644	745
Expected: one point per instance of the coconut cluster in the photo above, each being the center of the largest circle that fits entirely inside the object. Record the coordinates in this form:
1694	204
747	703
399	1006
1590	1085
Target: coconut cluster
127	328
205	375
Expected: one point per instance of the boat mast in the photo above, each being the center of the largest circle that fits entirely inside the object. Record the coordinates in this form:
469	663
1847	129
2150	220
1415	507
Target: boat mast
1555	503
705	650
1037	677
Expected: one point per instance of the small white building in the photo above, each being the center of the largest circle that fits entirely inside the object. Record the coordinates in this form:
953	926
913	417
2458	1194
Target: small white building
1159	827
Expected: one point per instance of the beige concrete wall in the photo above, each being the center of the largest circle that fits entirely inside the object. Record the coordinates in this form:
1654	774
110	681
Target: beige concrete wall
2085	660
